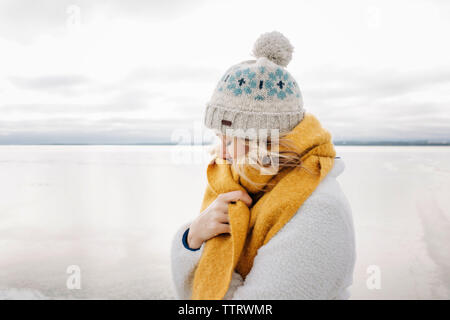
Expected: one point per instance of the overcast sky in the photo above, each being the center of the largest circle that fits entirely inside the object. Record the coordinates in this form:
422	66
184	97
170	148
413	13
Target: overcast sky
136	71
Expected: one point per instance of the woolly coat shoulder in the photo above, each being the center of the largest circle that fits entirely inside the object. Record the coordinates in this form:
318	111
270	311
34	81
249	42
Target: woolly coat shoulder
311	257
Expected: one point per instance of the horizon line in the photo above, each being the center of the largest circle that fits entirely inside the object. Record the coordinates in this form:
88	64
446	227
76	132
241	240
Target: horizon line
337	143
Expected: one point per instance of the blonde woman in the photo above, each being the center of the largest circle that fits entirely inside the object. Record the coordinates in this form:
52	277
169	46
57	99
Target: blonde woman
274	222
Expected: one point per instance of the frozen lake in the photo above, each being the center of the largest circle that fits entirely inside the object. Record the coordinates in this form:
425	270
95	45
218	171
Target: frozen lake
112	211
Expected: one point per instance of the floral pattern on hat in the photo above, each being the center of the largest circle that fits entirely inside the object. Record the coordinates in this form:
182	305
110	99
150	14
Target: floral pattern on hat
278	84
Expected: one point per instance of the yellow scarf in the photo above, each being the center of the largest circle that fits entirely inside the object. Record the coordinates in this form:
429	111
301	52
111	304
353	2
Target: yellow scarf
253	227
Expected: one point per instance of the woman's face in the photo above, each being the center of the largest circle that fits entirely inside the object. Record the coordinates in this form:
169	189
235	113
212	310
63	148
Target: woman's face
232	148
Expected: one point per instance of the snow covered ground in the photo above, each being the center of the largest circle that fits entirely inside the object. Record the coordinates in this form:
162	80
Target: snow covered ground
112	211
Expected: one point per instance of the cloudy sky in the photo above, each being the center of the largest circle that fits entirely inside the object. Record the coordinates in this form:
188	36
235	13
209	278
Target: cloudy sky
142	71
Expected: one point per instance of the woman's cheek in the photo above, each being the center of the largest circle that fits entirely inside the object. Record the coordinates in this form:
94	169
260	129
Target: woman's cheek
237	150
223	151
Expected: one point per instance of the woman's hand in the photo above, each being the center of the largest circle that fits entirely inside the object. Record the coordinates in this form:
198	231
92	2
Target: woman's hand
214	220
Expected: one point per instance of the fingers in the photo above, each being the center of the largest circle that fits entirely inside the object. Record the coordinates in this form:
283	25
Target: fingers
235	196
223	218
221	206
223	228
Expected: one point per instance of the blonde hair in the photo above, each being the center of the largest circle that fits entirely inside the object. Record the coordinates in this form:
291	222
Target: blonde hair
288	157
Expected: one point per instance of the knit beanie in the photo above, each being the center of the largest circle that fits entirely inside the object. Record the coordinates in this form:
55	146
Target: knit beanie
259	96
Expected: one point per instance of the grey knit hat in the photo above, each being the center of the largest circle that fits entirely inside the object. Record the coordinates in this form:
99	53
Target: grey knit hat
257	94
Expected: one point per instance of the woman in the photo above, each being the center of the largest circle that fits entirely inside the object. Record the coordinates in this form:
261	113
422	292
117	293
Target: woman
274	223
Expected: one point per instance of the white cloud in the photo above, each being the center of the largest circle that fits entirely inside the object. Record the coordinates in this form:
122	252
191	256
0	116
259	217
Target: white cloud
368	69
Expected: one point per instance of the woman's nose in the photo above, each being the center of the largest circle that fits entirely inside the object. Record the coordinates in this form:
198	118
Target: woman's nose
223	150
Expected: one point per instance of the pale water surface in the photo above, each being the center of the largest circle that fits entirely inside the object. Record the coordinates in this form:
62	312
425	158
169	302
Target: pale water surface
112	211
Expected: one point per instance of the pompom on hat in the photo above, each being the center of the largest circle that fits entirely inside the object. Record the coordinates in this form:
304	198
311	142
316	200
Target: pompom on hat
255	97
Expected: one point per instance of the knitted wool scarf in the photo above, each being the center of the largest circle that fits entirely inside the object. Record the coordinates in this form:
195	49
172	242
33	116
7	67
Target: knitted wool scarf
253	227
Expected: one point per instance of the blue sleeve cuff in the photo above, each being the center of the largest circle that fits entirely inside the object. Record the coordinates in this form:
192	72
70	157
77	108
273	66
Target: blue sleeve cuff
185	244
